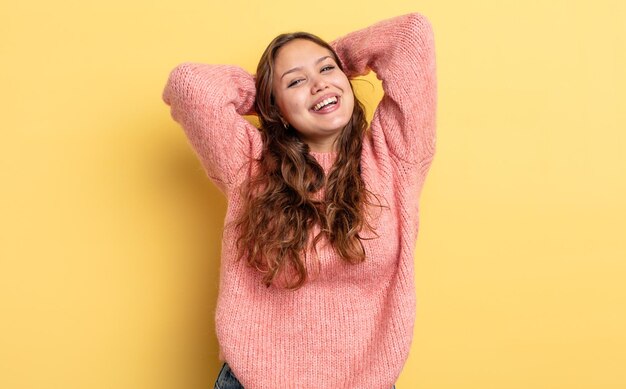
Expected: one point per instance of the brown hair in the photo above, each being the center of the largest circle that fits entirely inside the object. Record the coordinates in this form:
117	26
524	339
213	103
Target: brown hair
279	209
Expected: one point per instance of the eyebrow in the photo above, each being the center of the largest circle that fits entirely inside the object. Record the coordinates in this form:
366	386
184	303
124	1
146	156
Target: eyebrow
300	67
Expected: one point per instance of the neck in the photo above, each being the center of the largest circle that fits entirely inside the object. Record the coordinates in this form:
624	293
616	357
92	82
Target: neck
322	146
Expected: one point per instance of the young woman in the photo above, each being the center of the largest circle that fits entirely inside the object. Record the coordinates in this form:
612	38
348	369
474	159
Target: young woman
316	275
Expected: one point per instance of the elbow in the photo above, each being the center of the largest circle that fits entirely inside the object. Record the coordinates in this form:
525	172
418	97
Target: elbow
180	82
419	30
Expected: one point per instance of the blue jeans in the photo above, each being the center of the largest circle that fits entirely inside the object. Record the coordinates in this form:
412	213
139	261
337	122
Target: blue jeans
227	380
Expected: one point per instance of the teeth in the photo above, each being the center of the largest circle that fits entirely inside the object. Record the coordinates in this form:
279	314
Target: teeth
325	102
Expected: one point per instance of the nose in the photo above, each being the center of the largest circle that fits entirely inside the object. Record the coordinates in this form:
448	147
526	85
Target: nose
318	84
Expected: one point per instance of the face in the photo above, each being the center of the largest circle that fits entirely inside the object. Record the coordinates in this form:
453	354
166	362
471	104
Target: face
313	95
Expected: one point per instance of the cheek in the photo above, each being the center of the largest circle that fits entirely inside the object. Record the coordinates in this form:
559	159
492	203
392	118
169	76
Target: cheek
283	105
287	109
348	94
292	106
349	99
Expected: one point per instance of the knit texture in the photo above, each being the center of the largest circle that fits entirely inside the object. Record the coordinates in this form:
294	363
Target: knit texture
349	326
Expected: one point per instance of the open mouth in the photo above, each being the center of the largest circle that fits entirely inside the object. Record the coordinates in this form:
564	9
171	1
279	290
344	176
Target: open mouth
324	104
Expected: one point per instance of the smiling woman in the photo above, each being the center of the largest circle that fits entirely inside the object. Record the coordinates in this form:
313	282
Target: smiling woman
316	278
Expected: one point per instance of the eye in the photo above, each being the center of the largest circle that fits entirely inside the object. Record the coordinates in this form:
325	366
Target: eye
294	82
328	67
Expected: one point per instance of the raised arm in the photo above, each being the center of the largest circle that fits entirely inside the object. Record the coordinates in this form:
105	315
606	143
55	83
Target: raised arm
401	52
208	101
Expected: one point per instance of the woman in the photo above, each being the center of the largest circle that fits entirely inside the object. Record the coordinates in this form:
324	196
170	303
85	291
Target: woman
316	274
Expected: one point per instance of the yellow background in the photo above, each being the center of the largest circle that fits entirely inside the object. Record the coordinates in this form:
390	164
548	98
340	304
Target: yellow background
109	239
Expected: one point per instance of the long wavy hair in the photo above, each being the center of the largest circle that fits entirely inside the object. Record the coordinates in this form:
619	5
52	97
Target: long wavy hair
279	206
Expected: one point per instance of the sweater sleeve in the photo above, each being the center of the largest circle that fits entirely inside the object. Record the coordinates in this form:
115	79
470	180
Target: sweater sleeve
208	101
401	52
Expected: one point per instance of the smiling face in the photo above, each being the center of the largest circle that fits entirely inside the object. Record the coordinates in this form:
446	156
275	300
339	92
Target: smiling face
312	93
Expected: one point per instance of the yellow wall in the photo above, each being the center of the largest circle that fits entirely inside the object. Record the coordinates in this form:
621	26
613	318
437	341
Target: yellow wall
109	239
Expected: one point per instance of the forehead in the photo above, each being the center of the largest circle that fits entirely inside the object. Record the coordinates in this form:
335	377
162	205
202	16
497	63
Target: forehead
299	53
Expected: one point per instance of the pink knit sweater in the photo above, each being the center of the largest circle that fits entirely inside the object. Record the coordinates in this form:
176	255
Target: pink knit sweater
349	326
